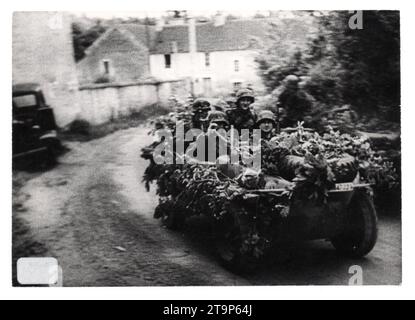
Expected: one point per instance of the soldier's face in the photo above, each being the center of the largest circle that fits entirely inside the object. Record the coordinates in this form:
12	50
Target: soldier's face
221	125
266	126
202	114
244	103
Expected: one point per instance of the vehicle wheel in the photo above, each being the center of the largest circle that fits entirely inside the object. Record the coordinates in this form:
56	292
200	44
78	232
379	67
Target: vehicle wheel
361	231
53	149
228	242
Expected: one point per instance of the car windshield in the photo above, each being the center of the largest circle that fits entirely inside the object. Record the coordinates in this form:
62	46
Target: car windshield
27	100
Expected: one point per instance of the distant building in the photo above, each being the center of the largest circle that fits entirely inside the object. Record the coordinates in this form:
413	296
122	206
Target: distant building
216	57
121	54
43	53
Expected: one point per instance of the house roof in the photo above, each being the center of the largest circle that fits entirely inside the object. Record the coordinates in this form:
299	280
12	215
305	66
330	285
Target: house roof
233	35
178	34
139	35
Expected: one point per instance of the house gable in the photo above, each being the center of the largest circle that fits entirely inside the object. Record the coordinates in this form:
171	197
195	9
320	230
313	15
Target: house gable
117	55
116	39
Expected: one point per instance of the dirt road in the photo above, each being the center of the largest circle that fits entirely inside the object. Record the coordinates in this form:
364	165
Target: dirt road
94	215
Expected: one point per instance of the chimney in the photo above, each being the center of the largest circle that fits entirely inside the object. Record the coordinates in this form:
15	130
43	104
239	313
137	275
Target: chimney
192	50
219	20
160	24
192	35
173	46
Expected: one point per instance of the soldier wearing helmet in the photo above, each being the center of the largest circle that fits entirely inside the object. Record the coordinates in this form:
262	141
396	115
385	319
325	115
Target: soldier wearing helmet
200	109
231	101
218	120
220	105
266	122
296	103
242	116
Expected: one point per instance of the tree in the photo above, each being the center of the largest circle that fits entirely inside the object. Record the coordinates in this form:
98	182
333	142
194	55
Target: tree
82	38
343	65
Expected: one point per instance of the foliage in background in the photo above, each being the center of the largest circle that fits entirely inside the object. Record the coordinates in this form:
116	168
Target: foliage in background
341	66
84	37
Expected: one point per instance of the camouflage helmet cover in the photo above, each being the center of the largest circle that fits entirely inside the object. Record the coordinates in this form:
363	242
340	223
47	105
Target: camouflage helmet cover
245	93
201	104
291	79
217	116
220	105
266	115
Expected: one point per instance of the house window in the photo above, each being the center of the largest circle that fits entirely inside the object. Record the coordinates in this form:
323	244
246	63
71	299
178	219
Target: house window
207	59
236	65
106	64
167	61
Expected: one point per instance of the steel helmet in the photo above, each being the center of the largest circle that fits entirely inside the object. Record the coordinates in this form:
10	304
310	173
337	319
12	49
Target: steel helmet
291	79
245	93
265	115
220	105
201	104
217	116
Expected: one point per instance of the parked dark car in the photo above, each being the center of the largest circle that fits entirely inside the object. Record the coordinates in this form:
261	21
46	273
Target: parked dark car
34	125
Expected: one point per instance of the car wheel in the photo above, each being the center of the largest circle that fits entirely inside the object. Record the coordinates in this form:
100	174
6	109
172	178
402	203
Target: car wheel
360	233
228	243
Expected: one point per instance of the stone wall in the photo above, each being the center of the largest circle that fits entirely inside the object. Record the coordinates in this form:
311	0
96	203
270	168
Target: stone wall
100	103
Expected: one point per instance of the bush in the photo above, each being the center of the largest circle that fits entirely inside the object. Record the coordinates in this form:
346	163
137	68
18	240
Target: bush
80	126
149	111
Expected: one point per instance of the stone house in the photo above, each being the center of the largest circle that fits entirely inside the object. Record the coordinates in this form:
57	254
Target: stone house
120	55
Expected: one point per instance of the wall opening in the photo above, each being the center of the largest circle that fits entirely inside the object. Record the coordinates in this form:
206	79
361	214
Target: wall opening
207	59
167	61
236	65
106	64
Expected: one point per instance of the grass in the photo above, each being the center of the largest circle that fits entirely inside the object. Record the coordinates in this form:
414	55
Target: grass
82	130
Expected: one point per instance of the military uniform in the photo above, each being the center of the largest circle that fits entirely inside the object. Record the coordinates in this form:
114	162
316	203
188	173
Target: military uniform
269	116
201	109
296	103
241	118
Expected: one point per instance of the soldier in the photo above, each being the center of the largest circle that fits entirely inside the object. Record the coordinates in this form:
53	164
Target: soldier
217	120
221	105
231	101
266	122
201	109
214	137
296	103
242	117
270	178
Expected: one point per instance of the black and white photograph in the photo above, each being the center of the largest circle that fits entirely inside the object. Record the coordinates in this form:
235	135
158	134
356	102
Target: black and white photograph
179	148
